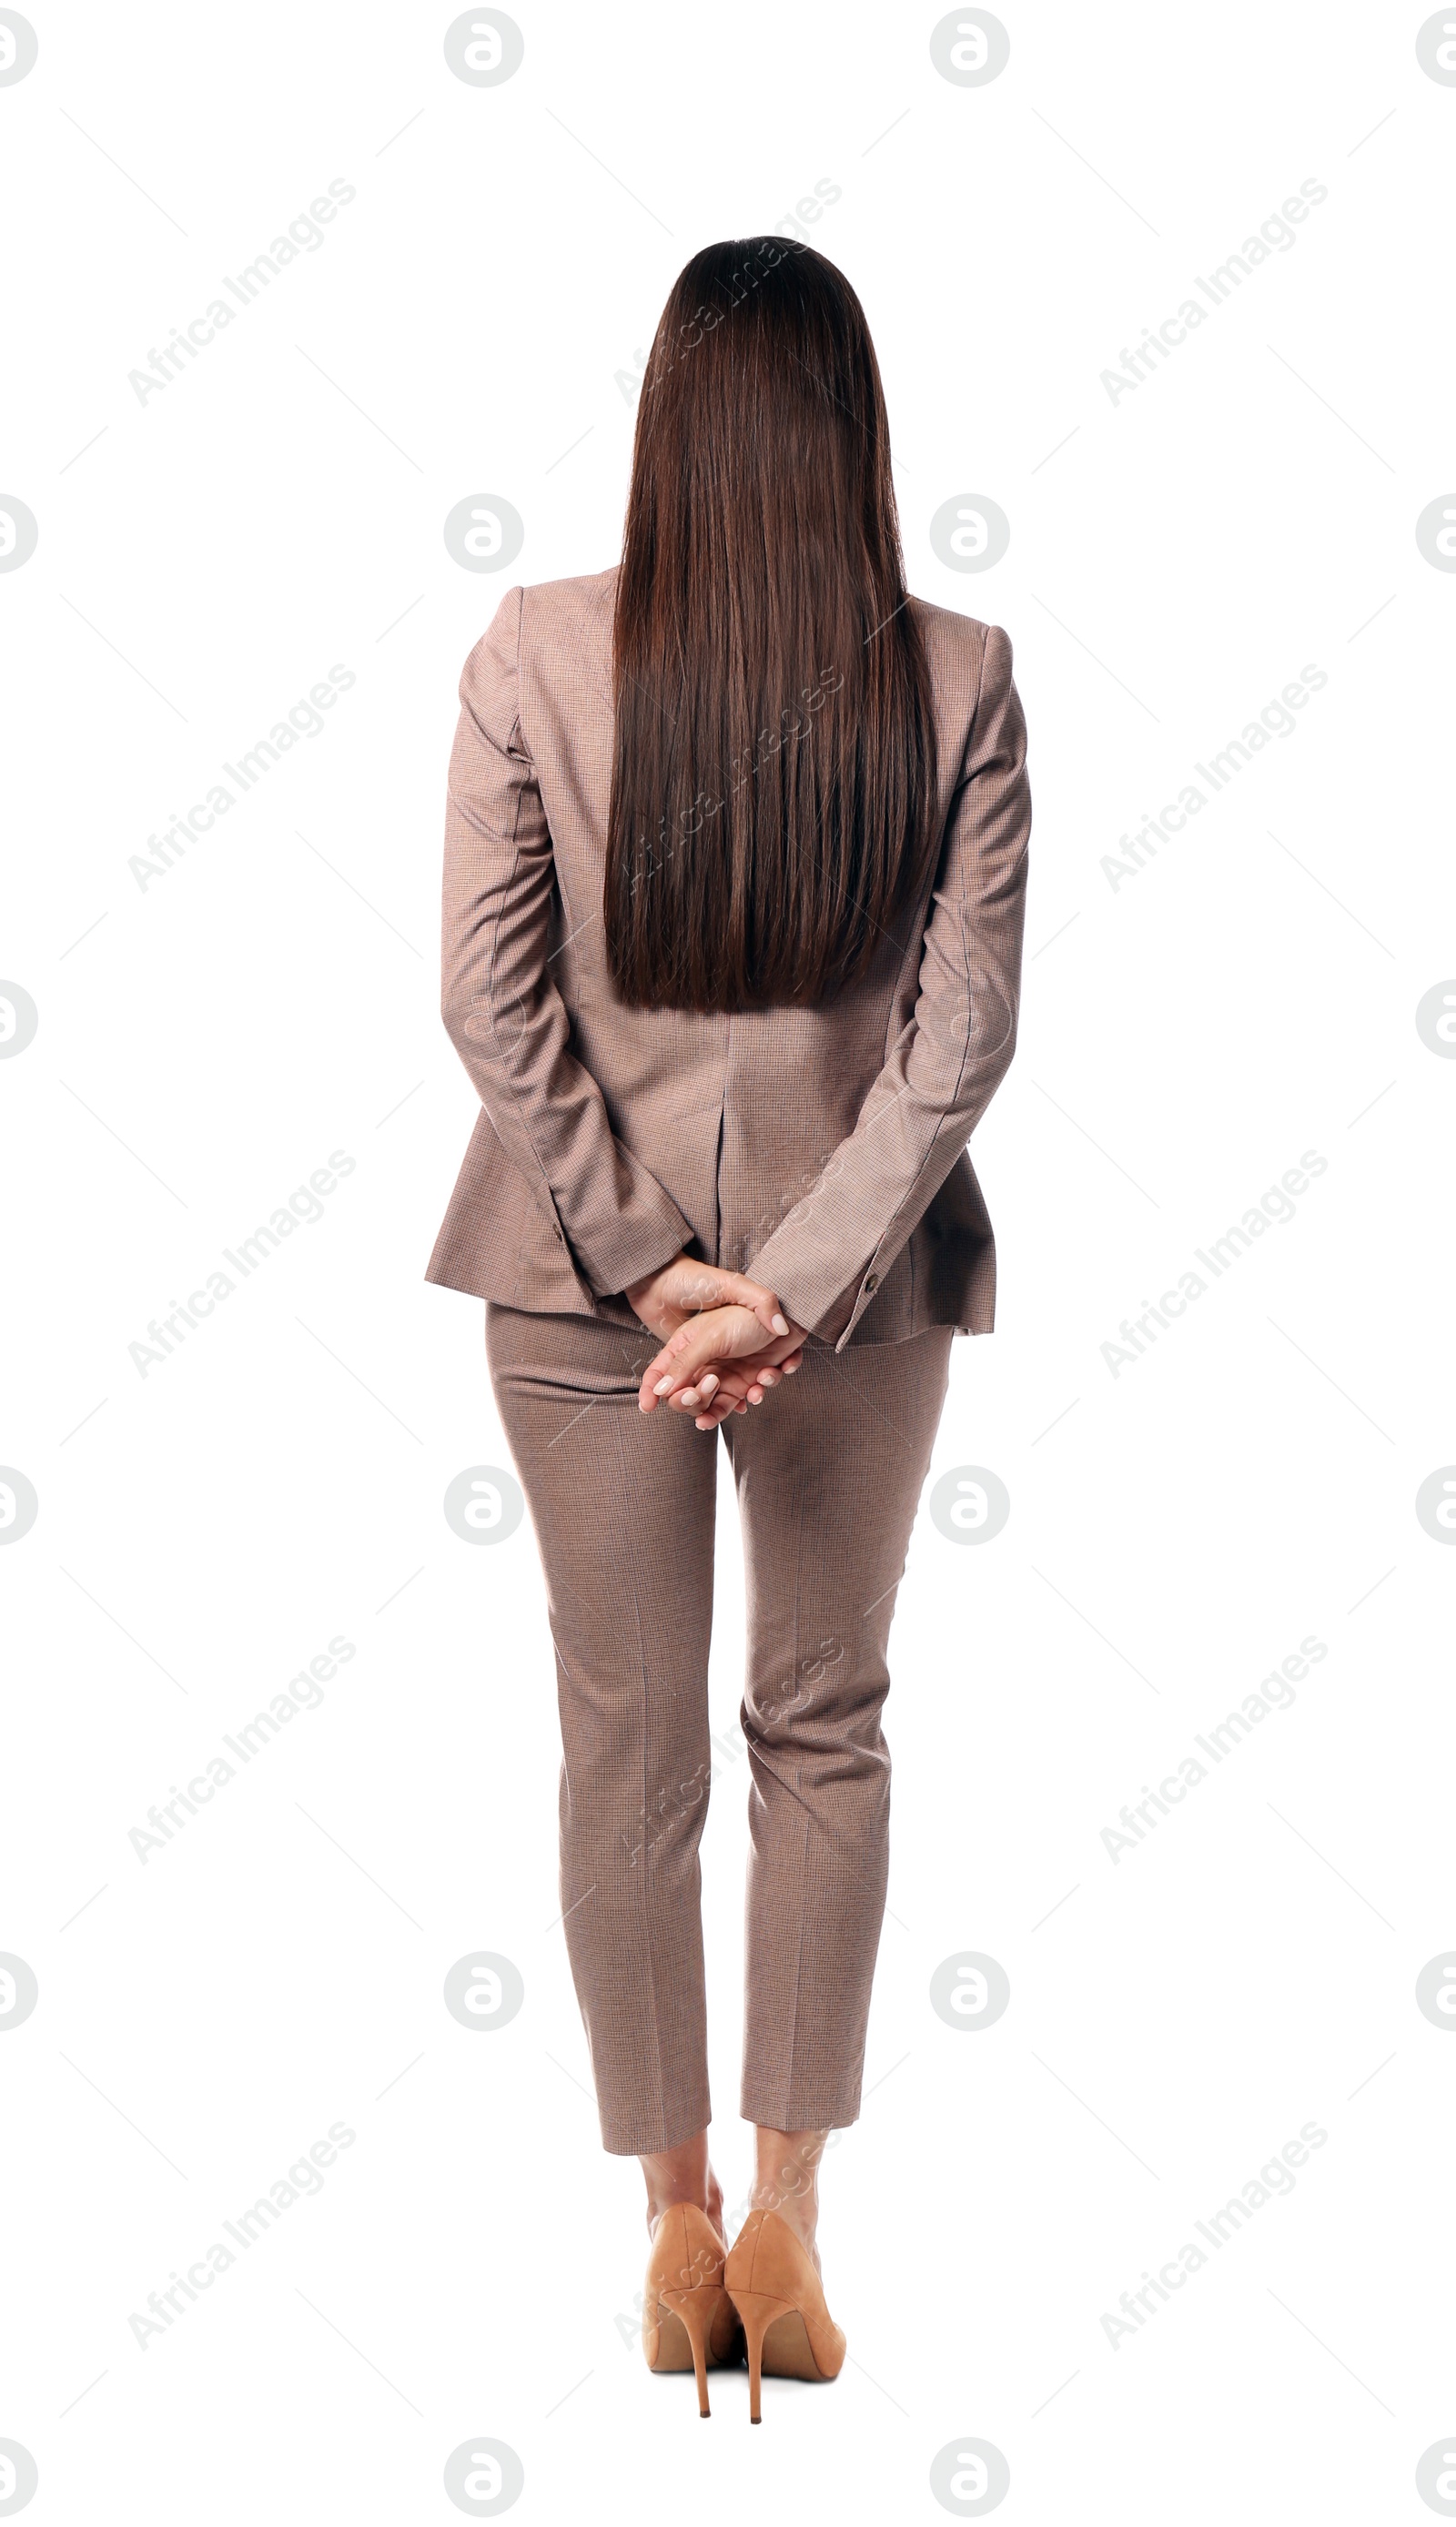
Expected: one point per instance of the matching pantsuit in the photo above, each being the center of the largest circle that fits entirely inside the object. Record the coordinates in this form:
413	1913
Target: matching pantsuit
821	1150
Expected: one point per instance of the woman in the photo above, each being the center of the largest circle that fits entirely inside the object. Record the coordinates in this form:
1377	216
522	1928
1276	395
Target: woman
735	871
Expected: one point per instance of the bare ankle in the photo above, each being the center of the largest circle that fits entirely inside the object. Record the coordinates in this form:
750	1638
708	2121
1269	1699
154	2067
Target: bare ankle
681	2174
786	2179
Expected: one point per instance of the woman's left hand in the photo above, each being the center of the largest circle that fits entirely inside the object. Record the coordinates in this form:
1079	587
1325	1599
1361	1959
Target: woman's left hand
666	1298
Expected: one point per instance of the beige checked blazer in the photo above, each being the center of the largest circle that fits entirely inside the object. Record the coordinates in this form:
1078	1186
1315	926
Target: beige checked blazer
822	1149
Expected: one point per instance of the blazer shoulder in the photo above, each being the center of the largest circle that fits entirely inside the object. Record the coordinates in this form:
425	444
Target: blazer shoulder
957	647
551	634
562	607
947	631
566	634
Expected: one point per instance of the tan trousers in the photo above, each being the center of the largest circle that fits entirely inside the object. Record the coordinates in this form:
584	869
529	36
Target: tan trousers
829	1471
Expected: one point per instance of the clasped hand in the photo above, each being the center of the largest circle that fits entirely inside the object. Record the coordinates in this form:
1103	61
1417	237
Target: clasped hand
728	1341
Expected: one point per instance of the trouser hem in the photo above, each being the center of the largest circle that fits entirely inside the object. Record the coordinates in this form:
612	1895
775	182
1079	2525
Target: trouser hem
635	2139
817	2115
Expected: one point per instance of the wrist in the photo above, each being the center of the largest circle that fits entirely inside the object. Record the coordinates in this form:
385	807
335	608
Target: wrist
639	1294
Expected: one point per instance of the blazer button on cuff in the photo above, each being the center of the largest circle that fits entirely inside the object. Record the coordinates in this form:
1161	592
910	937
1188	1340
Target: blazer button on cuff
871	1280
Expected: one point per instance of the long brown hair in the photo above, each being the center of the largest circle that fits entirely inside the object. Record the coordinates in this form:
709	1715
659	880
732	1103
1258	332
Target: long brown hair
775	777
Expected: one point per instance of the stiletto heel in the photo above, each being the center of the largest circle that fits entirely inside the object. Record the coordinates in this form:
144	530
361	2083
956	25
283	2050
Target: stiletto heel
687	2319
758	2313
696	2322
787	2326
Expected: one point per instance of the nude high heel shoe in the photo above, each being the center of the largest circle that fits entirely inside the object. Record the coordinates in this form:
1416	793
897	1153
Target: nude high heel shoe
788	2329
687	2319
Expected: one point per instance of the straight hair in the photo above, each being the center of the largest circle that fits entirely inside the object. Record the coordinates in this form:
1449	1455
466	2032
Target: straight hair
775	774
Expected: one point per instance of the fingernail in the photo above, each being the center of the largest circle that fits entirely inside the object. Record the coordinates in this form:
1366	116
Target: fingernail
779	1324
706	1384
663	1386
756	1399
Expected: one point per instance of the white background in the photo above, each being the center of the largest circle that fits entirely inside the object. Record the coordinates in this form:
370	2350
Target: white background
206	1041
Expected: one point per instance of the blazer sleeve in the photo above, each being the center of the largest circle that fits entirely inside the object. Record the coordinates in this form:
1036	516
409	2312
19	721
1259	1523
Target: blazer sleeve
827	1257
502	1008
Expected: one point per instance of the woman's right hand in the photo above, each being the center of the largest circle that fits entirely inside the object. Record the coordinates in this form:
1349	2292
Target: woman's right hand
718	1363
